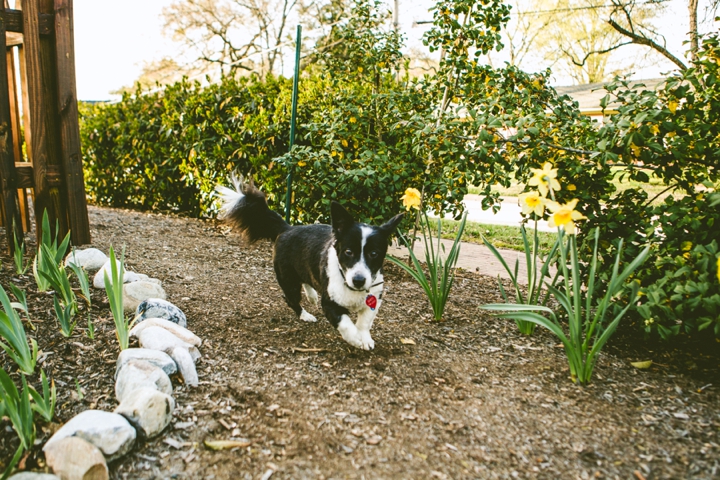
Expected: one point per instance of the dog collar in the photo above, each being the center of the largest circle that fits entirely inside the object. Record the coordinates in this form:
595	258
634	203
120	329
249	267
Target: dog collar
342	274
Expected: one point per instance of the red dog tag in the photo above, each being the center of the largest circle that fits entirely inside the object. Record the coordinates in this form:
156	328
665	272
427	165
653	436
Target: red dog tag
371	301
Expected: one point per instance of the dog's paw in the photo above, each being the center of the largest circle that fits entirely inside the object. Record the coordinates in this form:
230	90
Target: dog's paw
367	342
350	333
306	317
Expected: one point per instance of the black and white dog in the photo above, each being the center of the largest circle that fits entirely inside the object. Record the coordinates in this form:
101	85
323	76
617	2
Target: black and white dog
342	262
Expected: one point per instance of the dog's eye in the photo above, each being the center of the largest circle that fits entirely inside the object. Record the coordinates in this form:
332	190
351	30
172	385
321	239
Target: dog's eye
348	252
373	254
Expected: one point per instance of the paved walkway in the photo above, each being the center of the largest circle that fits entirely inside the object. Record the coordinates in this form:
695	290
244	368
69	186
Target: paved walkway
474	258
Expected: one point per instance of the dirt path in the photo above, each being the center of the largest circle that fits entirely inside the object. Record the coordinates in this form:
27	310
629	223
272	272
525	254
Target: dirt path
468	398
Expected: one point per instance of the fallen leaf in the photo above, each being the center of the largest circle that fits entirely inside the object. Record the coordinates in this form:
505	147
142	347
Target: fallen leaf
226	444
642	365
407	341
373	440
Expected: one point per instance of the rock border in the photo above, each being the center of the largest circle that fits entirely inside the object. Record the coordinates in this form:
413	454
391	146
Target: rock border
143	387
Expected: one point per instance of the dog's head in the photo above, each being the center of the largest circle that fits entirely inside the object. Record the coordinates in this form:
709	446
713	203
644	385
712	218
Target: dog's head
360	248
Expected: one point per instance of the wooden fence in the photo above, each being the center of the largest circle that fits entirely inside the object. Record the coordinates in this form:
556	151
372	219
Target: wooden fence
39	135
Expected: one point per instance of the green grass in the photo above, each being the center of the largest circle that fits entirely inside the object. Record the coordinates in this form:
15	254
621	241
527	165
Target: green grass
499	235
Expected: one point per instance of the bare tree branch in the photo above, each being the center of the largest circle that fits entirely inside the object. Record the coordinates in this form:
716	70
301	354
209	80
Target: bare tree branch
643	40
581	63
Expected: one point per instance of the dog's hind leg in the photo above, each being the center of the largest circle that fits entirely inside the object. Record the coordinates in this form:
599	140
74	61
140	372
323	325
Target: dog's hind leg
311	294
291	286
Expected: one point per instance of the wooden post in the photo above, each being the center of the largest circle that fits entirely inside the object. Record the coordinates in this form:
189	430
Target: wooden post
13	222
42	96
69	129
36	106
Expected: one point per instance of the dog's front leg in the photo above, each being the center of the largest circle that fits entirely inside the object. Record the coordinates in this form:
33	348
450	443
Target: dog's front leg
339	317
365	320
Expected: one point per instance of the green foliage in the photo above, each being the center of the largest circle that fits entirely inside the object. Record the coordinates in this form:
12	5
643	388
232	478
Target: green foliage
167	151
12	331
21	266
687	294
45	404
531	294
589	324
17	408
21	303
441	270
114	289
49	256
55	275
64	314
83	281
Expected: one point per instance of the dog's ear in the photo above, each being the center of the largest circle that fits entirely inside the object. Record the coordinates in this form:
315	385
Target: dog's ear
341	218
391	225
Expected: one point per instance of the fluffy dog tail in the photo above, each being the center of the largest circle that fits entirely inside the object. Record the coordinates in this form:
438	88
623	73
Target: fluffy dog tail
247	211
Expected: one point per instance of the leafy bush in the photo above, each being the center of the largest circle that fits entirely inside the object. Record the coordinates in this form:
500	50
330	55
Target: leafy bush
166	151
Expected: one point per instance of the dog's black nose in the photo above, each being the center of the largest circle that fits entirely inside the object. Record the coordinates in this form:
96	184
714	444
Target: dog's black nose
359	281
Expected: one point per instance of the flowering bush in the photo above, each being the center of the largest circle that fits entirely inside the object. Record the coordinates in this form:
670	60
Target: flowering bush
590	321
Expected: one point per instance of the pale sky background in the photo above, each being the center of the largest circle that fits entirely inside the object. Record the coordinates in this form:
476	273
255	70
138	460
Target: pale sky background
113	39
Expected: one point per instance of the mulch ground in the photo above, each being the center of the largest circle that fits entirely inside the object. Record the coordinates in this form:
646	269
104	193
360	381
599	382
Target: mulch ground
468	397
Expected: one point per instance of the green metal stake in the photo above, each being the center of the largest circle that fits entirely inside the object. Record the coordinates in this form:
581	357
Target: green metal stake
293	114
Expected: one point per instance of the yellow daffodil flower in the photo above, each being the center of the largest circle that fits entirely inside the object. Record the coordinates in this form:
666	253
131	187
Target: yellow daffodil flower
353	119
672	106
544	179
564	216
411	199
532	202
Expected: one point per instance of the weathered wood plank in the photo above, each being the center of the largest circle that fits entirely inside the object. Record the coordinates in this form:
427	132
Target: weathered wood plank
71	156
25	177
13	222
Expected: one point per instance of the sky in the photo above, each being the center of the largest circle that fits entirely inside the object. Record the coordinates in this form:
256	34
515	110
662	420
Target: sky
114	39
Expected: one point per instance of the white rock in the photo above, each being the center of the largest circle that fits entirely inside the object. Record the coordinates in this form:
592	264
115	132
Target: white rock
185	360
182	333
155	357
99	278
138	374
148	409
136	292
109	432
73	458
33	476
91	259
184	354
159	308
